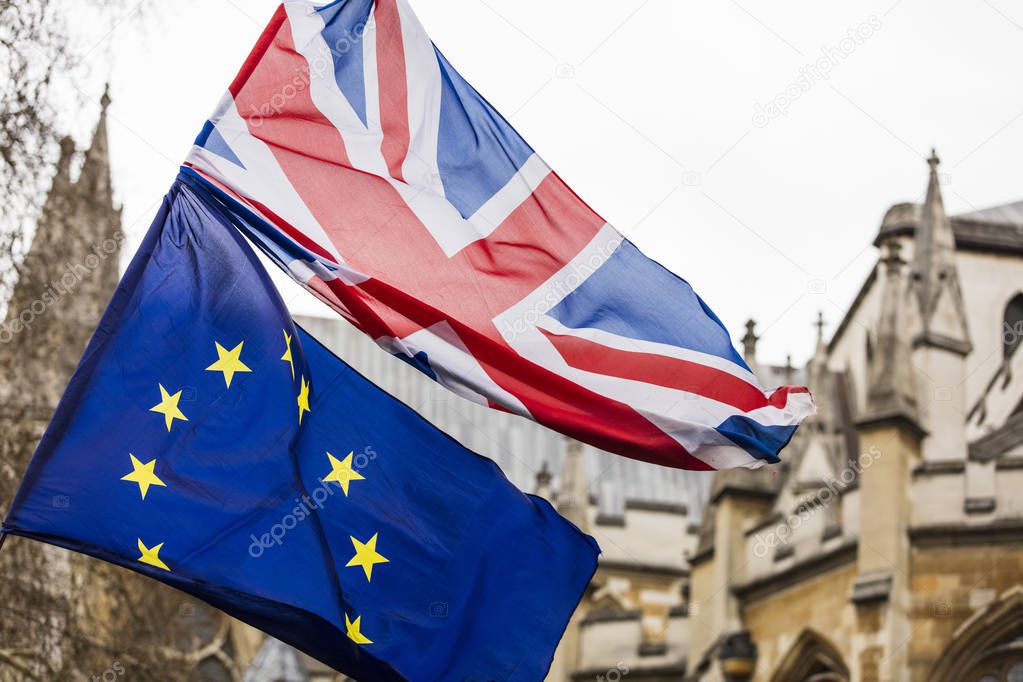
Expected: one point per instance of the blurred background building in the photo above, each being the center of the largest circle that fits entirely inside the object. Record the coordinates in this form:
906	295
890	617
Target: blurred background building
889	544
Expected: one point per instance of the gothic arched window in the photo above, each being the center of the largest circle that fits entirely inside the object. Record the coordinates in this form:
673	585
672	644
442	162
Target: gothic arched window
212	669
990	649
1003	663
812	659
1012	325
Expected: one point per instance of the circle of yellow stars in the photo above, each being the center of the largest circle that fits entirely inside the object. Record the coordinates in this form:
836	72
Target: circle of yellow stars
228	363
342	471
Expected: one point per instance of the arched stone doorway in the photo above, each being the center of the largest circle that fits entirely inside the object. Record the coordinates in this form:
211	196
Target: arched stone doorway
812	659
988	647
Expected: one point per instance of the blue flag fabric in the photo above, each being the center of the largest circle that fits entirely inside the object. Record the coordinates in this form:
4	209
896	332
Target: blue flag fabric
209	443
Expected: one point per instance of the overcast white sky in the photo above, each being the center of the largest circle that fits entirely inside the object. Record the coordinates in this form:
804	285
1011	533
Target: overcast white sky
647	109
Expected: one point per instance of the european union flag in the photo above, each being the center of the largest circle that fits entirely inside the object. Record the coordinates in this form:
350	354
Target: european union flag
209	443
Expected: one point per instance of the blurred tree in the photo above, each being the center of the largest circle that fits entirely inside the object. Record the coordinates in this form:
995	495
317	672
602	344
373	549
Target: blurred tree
65	616
33	48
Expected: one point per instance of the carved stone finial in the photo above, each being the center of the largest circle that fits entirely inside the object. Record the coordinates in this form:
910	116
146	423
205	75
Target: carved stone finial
749	344
104	101
543	477
821	349
891	256
67	150
67	146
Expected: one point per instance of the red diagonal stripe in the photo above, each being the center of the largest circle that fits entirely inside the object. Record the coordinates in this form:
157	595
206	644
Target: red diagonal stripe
550	398
393	87
277	106
661	370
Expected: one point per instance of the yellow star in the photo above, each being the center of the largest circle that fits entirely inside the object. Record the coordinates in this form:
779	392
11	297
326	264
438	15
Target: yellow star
366	556
303	400
228	362
168	407
152	556
342	472
353	631
143	474
287	355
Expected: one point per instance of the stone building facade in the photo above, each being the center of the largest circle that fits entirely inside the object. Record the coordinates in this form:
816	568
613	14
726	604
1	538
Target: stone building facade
889	545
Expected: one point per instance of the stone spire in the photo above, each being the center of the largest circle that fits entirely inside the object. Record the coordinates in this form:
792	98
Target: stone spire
749	345
934	276
821	349
817	367
573	498
65	280
67	152
942	339
95	177
891	388
543	481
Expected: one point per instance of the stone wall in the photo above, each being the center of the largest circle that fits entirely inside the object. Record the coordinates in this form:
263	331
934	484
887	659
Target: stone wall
821	604
951	584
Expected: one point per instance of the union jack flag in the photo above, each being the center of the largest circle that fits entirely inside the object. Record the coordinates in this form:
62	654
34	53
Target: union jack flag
357	157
